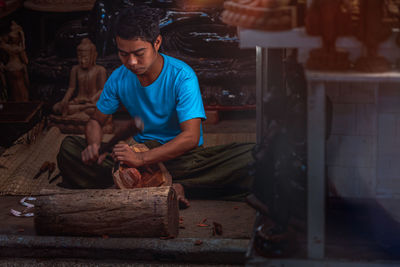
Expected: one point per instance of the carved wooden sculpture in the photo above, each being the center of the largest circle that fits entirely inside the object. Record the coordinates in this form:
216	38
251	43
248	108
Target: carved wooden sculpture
89	79
150	176
269	15
15	69
371	32
326	18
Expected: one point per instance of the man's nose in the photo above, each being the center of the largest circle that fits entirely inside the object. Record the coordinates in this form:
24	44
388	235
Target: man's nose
132	60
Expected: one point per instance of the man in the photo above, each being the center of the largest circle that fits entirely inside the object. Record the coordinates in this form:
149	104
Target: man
164	92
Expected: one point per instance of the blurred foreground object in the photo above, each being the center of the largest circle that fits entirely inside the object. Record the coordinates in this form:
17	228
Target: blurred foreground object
328	19
371	32
268	15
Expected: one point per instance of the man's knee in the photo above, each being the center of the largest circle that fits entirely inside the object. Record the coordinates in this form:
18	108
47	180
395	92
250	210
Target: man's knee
71	146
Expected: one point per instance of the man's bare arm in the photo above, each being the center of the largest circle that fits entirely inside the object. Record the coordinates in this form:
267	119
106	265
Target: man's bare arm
185	141
94	135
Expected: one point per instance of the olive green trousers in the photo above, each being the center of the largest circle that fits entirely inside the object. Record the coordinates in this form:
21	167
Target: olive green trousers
219	172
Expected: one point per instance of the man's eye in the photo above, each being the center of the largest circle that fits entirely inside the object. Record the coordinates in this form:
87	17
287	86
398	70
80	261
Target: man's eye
123	54
140	55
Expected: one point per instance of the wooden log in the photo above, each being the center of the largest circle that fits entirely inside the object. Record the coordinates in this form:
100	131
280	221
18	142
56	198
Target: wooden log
139	212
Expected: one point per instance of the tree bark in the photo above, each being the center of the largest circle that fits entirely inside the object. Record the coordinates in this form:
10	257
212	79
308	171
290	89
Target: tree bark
140	212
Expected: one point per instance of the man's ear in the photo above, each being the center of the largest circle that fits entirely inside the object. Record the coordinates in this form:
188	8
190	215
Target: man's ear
157	43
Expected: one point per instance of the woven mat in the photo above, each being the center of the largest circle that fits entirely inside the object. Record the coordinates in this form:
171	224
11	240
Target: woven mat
21	162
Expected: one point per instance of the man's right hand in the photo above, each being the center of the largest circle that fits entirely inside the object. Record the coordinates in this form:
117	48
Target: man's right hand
91	155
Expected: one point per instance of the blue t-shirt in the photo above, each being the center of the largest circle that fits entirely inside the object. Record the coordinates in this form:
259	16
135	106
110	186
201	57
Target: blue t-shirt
174	97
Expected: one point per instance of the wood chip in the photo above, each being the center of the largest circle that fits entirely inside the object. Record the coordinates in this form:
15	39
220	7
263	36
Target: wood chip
217	228
166	237
202	223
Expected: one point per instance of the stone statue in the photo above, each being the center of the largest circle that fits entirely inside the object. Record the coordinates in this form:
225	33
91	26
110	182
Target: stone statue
15	68
88	78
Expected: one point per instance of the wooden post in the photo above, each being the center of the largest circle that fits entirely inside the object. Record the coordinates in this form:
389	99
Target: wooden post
139	212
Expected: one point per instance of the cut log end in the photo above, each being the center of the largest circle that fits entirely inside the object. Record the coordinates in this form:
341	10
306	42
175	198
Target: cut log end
173	211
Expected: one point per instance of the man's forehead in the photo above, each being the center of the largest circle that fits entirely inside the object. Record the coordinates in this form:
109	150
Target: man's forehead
131	40
132	46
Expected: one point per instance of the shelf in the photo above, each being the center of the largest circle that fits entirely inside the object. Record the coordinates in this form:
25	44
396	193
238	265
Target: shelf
10	8
59	7
290	39
298	38
321	76
225	108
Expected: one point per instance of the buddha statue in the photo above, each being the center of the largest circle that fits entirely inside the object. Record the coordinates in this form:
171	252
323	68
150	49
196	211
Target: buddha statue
88	79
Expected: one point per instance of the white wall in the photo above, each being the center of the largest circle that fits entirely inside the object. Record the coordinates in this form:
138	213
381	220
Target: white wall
363	151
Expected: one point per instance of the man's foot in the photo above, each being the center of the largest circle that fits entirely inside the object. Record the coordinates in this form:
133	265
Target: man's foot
180	195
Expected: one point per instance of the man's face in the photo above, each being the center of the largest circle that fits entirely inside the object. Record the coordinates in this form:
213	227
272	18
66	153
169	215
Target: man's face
137	55
84	59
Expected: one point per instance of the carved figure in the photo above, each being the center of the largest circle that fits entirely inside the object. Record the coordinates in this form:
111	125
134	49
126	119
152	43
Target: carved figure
328	19
371	32
72	113
89	78
15	69
268	15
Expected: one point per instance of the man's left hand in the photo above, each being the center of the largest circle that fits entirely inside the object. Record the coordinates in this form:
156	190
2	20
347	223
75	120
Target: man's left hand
125	155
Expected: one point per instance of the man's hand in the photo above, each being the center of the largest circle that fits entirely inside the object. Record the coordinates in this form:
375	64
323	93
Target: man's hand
124	154
94	134
91	155
64	107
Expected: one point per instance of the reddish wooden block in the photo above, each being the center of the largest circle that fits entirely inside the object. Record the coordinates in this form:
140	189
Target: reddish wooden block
212	117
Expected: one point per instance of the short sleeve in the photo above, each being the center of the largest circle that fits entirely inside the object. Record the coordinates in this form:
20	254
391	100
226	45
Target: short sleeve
109	101
189	101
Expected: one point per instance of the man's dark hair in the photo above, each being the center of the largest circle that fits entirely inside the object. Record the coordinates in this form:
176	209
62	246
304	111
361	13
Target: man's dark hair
138	22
